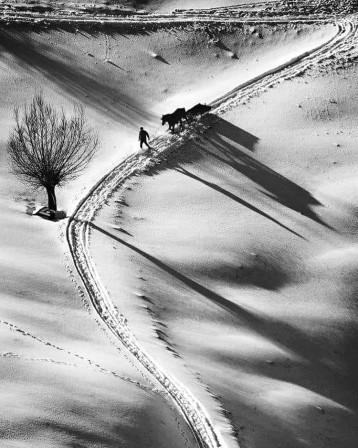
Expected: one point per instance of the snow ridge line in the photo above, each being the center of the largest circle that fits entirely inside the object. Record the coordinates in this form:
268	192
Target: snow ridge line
78	232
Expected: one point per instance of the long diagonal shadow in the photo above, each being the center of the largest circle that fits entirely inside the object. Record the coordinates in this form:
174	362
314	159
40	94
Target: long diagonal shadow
275	185
227	304
236	199
85	86
270	328
161	59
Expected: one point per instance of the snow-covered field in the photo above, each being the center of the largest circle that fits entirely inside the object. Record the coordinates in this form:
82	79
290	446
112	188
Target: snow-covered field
207	293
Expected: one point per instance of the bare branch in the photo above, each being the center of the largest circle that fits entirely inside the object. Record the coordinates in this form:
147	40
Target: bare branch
46	148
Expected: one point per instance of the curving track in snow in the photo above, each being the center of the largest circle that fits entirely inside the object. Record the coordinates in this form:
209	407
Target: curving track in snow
78	229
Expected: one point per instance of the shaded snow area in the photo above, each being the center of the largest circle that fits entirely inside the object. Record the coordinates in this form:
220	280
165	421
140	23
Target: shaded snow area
202	293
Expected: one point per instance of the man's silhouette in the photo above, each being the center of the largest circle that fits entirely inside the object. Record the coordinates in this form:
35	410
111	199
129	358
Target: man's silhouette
143	135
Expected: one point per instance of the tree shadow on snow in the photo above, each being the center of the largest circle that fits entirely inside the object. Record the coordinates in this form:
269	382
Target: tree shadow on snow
88	88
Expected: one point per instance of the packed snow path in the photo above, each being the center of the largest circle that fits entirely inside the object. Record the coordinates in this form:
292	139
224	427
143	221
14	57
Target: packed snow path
78	229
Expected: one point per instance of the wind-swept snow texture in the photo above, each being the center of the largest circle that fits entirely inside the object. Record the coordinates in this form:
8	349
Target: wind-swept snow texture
79	226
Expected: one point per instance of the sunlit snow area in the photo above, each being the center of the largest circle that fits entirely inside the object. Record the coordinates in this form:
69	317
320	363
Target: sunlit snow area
200	292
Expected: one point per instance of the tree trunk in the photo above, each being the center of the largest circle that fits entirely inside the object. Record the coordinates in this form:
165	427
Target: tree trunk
52	203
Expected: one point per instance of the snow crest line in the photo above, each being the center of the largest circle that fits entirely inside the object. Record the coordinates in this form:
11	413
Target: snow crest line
79	225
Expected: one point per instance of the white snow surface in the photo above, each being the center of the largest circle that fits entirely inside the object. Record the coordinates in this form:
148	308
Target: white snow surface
77	375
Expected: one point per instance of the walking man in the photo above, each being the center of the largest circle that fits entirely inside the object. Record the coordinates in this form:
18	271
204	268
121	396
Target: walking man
143	135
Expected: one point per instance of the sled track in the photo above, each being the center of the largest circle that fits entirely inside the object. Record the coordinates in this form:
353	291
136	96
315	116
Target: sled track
79	225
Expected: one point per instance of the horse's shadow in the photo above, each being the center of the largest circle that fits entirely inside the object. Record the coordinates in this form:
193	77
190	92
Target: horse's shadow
226	143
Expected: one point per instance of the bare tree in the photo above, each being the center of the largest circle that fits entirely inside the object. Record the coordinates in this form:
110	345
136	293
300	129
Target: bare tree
47	149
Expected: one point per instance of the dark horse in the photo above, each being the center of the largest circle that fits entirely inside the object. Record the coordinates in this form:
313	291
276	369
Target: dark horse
174	118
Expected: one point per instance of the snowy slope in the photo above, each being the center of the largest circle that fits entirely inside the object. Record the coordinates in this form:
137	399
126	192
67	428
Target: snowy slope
67	381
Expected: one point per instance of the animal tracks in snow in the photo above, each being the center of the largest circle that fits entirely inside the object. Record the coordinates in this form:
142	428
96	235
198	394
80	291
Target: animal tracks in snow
87	362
